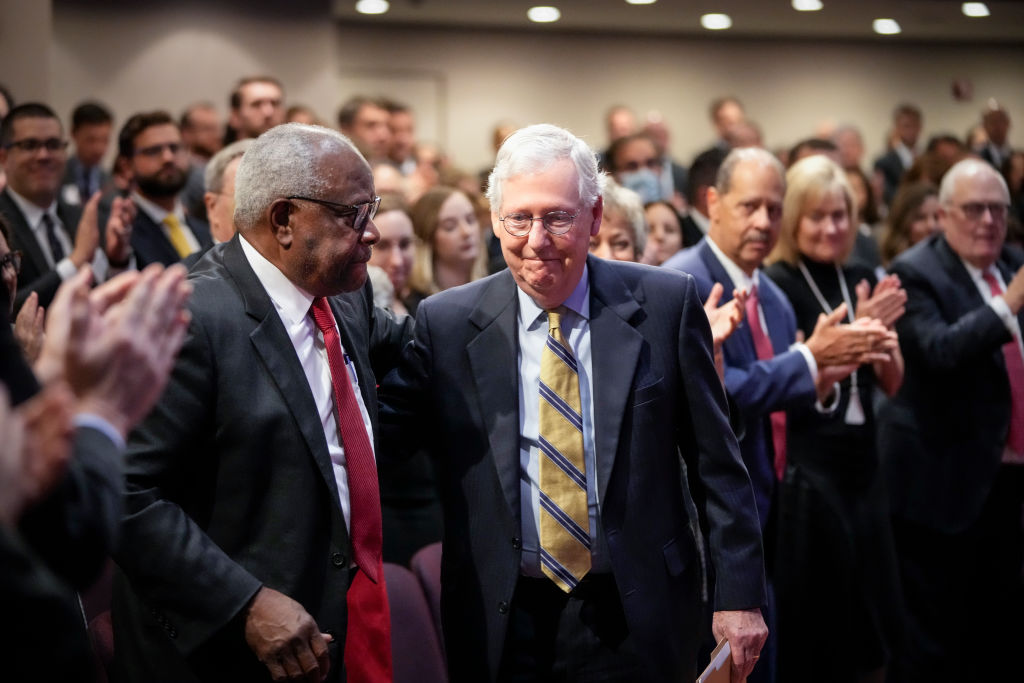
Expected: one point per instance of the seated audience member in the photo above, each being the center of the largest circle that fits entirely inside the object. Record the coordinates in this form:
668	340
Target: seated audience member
623	233
257	105
219	180
105	360
703	172
664	231
952	440
636	165
865	248
449	251
850	144
996	122
151	144
54	237
811	146
673	175
913	216
907	122
931	166
28	326
834	540
947	147
402	145
300	113
725	112
744	133
202	131
91	124
365	122
395	252
619	122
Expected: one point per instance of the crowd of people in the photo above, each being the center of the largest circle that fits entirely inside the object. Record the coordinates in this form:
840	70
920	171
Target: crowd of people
810	442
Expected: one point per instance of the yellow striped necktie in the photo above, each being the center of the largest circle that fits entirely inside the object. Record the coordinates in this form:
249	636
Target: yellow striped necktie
177	235
564	518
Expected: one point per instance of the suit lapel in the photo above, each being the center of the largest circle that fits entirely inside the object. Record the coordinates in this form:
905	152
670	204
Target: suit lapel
24	239
772	306
615	349
493	361
152	246
275	348
741	338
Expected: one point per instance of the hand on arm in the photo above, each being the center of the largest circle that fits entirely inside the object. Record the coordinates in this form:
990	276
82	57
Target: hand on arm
87	236
119	231
286	638
746	632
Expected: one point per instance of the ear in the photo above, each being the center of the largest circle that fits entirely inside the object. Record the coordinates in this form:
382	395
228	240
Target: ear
280	222
597	213
714	203
496	226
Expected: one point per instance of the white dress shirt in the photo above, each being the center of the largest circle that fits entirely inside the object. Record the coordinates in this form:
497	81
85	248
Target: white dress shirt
292	305
532	329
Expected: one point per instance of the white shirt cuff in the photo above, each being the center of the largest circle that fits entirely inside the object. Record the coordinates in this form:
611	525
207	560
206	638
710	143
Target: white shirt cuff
99	424
66	269
1002	309
833	404
812	364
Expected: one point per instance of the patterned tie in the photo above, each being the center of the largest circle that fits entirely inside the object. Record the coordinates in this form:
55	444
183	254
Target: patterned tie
1015	372
564	519
368	640
763	346
56	249
177	235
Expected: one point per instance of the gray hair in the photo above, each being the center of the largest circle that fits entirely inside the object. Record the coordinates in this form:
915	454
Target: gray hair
534	149
962	169
281	163
724	179
213	176
622	200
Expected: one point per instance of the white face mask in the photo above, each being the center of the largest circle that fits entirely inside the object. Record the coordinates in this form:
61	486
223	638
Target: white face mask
644	182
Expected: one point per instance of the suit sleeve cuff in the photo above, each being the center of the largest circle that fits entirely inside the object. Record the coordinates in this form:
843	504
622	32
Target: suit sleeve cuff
99	424
812	365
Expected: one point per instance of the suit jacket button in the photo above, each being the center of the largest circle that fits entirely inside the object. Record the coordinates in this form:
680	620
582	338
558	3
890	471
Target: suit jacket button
502	607
172	632
338	560
517	543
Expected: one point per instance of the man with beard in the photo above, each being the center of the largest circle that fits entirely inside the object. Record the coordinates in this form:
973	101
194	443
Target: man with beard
55	238
150	143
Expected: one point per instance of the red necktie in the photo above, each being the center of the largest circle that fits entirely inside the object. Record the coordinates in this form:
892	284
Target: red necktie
764	349
1015	372
368	640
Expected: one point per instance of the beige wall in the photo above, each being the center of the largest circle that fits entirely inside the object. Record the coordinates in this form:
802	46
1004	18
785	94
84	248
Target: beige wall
462	82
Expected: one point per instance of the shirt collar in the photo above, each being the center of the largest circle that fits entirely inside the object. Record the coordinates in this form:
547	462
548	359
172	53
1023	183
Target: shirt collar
978	275
33	212
578	302
291	302
740	280
700	220
156	213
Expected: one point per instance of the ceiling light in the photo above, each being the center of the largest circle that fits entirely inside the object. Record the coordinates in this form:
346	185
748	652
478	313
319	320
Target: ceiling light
543	14
372	6
975	9
807	5
716	22
641	2
887	27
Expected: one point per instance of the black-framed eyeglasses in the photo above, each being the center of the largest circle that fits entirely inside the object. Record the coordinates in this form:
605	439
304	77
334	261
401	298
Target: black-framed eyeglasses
362	213
32	145
555	222
175	149
976	210
11	259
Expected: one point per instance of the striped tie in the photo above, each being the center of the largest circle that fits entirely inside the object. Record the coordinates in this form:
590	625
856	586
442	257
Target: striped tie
177	235
564	520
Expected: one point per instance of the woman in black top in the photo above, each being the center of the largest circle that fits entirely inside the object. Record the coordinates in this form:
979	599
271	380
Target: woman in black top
835	551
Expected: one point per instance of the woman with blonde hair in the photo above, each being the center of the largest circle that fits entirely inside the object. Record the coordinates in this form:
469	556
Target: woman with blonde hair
450	249
835	546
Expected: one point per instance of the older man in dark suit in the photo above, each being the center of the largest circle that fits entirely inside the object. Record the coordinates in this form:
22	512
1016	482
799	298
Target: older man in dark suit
561	398
252	487
952	440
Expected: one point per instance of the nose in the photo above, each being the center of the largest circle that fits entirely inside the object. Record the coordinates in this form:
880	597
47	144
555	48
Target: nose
370	235
538	235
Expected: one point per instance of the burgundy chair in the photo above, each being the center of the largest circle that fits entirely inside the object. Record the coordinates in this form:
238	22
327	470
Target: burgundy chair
426	565
415	644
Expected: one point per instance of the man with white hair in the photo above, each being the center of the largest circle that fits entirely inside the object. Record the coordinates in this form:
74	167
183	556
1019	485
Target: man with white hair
561	398
952	440
251	489
219	182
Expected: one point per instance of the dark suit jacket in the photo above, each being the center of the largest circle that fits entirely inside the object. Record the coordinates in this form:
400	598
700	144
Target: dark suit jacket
942	436
656	397
151	245
36	274
759	387
230	485
892	170
72	171
691	231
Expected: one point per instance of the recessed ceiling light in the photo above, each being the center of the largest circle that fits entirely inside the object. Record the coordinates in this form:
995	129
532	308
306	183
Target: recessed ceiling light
807	5
372	6
543	14
716	22
641	2
886	27
975	9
